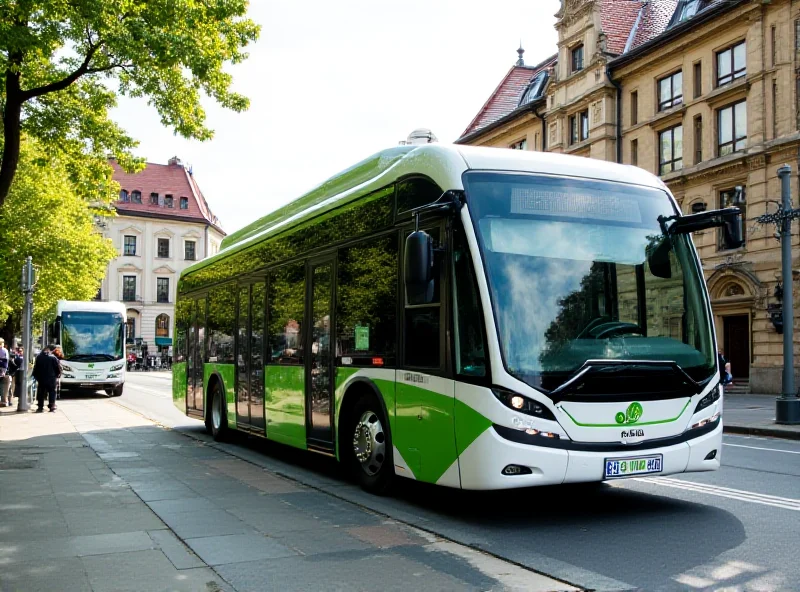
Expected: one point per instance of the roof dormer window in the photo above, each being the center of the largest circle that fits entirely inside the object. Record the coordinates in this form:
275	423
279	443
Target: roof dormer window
535	89
136	196
686	9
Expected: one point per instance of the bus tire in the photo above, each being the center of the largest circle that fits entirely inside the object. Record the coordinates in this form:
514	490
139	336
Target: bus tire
217	422
368	445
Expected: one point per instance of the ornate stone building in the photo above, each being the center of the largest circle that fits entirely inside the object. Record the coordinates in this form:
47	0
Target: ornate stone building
703	93
162	225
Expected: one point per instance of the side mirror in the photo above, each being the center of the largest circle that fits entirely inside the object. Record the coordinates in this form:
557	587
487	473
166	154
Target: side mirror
418	266
658	258
730	219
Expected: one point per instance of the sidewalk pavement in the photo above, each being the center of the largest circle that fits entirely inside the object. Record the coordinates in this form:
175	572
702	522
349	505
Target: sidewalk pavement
95	497
754	415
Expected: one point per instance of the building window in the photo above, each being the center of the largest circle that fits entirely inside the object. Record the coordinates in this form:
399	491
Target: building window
773	46
162	289
670	154
698	139
130	330
635	152
169	201
670	91
184	203
634	107
732	128
577	58
579	127
686	10
129	247
731	64
154	199
774	109
162	325
797	35
129	288
123	195
136	197
521	145
732	198
189	250
698	79
163	248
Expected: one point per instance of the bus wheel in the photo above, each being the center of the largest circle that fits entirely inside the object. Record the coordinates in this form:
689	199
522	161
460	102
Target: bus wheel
217	421
370	446
117	391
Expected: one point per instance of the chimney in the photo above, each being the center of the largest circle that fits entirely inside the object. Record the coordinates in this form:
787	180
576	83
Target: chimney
174	161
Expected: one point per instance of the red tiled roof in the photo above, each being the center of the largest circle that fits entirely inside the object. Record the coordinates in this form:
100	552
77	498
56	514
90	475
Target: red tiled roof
655	18
617	18
164	179
506	96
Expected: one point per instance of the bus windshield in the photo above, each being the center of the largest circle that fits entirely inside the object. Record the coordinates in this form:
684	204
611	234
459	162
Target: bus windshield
580	270
92	336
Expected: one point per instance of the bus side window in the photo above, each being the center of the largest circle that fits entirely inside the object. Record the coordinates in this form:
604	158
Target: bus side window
416	192
423	323
470	341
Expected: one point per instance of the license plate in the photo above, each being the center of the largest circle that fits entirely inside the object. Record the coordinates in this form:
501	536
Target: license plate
616	468
91	376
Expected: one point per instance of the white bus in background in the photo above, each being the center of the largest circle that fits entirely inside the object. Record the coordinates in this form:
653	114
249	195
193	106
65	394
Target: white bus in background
92	339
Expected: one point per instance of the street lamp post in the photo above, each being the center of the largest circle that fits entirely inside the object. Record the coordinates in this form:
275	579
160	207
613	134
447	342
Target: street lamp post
28	283
787	406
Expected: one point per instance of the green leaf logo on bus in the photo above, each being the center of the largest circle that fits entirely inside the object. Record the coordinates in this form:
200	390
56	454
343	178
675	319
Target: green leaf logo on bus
631	415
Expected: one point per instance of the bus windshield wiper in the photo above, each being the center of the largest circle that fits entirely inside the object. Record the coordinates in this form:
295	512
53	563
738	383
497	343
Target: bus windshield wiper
92	358
594	370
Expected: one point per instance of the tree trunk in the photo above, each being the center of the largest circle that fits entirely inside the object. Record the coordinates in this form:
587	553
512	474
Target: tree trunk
11	132
9	329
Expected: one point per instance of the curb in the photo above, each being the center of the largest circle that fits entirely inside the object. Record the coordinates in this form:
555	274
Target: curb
757	431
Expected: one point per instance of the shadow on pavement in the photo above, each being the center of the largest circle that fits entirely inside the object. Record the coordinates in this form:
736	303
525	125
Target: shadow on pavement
643	539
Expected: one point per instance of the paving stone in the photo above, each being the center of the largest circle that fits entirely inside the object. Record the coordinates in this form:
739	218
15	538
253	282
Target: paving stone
323	539
329	509
148	571
386	535
205	524
74	546
178	554
279	521
355	571
126	518
177	506
33	524
45	575
154	493
219	550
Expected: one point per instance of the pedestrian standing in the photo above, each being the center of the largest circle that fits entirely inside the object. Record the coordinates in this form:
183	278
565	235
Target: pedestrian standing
18	356
5	379
46	371
14	366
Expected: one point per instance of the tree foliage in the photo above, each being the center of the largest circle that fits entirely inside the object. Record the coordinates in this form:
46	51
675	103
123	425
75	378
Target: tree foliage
46	218
63	63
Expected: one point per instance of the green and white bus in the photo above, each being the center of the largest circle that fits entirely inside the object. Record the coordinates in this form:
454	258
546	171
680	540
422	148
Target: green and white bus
472	317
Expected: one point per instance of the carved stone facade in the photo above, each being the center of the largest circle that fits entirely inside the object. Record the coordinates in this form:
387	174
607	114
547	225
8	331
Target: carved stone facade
690	121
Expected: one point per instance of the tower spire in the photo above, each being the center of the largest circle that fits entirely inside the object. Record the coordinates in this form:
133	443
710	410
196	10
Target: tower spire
520	51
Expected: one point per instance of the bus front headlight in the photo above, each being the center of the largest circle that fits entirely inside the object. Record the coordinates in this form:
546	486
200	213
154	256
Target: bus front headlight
116	367
66	367
523	404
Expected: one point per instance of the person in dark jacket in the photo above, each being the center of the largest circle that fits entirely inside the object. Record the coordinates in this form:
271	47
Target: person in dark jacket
46	371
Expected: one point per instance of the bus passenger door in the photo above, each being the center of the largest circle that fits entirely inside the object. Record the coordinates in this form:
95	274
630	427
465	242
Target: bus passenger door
243	359
195	357
425	429
319	361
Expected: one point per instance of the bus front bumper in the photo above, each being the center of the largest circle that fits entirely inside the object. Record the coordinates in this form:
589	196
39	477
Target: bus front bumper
94	383
482	463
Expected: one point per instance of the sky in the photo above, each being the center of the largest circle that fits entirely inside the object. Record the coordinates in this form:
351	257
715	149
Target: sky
332	82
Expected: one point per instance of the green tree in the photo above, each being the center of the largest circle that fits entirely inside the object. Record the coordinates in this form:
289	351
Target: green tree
59	62
46	218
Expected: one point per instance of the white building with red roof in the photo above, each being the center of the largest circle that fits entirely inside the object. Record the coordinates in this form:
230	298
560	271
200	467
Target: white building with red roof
162	225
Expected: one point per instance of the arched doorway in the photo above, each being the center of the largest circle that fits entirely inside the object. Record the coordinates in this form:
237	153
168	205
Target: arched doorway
733	294
163	338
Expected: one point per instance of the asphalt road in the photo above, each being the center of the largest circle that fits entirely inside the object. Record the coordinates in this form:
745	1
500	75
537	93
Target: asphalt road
734	529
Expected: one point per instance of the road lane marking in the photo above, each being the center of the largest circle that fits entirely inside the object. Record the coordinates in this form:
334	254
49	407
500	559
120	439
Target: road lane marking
762	448
736	494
